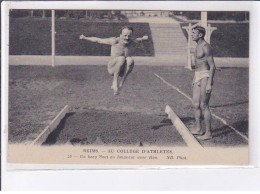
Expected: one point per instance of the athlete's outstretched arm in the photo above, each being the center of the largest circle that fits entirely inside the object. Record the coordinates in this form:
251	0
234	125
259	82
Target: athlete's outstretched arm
141	39
109	41
208	53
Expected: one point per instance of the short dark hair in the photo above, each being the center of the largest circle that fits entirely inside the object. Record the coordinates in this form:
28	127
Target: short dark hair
200	29
126	27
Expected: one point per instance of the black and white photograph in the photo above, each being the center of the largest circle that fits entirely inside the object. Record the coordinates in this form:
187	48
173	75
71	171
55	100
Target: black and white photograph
129	95
128	86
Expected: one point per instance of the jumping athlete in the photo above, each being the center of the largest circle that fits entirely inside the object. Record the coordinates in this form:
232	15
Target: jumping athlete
202	82
121	62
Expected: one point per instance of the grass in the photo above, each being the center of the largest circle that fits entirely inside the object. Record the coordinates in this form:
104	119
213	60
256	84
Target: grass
229	40
30	37
38	93
33	37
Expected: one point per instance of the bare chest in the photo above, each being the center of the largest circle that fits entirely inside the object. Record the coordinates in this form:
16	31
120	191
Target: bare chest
120	50
199	53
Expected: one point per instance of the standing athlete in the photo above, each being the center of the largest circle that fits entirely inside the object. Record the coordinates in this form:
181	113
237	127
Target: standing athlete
121	62
202	82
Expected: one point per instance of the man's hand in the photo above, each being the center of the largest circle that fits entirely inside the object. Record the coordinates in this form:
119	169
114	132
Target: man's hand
82	37
208	88
145	38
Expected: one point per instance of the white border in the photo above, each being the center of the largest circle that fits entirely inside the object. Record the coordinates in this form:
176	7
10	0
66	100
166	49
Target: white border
178	179
136	5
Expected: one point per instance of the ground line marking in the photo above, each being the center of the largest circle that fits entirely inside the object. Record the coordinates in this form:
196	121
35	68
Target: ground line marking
189	139
53	124
214	115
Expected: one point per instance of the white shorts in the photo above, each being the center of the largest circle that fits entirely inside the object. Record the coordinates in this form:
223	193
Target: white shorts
199	75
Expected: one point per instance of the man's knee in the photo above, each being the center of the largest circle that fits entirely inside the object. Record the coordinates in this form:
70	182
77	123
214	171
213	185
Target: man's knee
196	105
110	71
121	60
130	62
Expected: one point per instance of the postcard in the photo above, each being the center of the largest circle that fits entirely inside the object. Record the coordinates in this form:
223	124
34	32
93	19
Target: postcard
98	86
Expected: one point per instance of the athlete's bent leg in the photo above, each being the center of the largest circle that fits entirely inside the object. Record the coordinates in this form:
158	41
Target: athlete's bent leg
114	68
128	70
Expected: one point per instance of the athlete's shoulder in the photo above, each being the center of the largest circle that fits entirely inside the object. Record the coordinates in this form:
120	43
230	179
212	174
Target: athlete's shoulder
206	47
205	43
115	40
112	40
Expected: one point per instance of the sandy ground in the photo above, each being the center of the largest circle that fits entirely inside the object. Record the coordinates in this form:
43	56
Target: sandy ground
37	94
115	128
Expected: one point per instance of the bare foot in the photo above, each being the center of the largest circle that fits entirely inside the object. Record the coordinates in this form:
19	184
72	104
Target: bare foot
197	132
116	92
114	87
120	85
205	137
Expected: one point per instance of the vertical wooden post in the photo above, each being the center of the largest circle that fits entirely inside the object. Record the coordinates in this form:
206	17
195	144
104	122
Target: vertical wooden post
53	37
208	33
189	48
43	13
204	19
204	23
31	13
